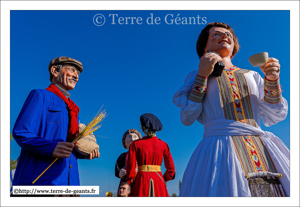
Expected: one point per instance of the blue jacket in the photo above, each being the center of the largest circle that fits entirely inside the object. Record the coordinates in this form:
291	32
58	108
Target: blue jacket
41	124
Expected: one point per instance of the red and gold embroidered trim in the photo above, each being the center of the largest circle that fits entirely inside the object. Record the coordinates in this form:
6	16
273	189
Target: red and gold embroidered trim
235	96
198	90
272	91
236	102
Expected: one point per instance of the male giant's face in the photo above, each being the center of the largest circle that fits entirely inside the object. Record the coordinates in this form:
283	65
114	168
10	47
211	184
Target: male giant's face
220	40
67	77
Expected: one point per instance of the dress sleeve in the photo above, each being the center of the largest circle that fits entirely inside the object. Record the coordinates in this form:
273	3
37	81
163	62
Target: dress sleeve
130	165
189	98
28	124
169	164
273	107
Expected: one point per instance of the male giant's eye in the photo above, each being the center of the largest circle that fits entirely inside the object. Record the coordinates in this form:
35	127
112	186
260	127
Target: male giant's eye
216	34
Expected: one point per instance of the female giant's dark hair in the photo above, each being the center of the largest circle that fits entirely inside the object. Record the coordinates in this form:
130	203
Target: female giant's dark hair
202	39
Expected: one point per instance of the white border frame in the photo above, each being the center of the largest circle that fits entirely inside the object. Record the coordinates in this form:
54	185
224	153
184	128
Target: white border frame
293	6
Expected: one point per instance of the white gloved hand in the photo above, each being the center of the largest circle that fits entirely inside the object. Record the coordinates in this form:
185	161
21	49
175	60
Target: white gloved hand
122	173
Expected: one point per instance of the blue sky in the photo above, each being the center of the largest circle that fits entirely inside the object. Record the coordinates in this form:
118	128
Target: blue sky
131	70
134	69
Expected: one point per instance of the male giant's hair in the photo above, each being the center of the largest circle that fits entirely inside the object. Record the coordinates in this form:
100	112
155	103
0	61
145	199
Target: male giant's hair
202	39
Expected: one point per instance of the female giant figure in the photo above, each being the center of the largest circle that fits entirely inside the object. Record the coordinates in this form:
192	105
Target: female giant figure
235	157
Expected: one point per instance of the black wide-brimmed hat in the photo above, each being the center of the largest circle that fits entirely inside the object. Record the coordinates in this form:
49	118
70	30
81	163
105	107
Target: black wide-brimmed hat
151	122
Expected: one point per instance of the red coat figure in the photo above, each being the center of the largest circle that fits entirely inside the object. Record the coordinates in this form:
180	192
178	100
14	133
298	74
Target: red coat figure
149	153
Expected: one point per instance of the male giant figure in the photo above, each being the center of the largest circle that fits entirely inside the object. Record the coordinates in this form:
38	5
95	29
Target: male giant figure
45	128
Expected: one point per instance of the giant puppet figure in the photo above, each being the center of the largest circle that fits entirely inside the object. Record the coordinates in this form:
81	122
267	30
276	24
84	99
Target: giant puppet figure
149	153
129	136
45	128
235	157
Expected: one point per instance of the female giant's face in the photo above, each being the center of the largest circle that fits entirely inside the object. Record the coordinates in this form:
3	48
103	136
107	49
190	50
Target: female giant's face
220	40
131	137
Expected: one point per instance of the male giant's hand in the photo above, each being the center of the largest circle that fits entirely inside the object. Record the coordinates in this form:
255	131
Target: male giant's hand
271	69
63	149
94	154
207	63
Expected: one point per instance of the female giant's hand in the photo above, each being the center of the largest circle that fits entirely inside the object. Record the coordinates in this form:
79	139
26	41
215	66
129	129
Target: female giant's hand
207	63
271	69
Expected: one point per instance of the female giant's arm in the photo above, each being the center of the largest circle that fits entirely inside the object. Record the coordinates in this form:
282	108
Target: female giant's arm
273	107
189	98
